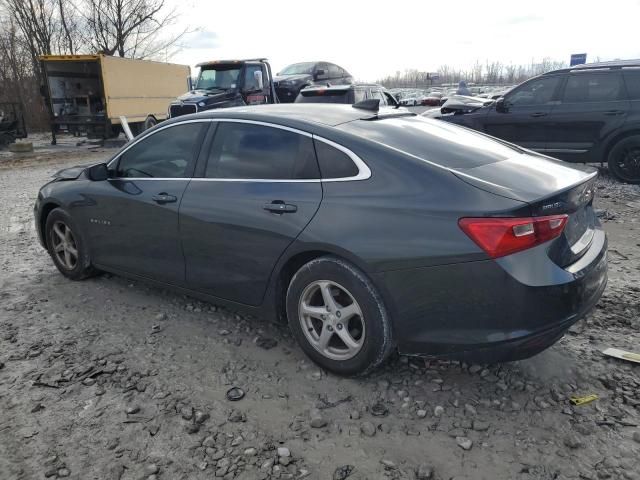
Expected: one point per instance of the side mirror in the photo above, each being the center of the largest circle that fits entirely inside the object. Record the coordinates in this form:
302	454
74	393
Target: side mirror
98	173
190	83
44	91
258	77
502	106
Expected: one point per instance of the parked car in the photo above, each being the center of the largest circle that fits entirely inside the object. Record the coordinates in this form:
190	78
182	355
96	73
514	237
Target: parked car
586	113
354	93
409	101
368	229
458	104
290	80
227	83
432	100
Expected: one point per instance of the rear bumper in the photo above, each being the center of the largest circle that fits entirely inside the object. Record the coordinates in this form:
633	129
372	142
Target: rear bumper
479	311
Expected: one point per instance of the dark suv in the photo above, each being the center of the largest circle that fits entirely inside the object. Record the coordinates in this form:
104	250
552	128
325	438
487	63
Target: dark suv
348	94
290	80
586	113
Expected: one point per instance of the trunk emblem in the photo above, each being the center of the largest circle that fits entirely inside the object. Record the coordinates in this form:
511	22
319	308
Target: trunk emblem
552	205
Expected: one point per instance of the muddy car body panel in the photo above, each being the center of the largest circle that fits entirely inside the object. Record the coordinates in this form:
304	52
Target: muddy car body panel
396	216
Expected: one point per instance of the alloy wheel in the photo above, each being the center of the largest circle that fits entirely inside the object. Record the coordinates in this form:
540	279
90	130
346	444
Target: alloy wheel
64	245
331	320
629	163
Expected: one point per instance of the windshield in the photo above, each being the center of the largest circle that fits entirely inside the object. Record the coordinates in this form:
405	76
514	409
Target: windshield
218	78
298	68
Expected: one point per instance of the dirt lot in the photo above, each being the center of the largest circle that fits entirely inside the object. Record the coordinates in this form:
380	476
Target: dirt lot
113	379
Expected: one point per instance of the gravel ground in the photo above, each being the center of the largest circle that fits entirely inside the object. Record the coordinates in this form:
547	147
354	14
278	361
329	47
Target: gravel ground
113	379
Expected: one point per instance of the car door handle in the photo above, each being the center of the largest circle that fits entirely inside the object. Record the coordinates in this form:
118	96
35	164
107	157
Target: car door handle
280	207
539	114
164	198
614	112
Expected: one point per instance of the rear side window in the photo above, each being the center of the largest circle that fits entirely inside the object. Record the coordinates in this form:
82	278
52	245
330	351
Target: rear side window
168	153
249	151
632	81
593	87
333	162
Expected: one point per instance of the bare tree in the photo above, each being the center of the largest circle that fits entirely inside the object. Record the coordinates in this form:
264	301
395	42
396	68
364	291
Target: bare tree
131	28
492	73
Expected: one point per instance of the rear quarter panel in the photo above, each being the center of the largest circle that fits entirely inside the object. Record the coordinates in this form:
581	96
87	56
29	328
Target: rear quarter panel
404	217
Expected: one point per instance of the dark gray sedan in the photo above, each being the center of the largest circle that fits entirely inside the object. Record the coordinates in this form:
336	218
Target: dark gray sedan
369	230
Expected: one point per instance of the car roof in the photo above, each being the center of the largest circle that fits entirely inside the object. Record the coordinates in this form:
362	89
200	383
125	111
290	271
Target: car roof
610	65
293	115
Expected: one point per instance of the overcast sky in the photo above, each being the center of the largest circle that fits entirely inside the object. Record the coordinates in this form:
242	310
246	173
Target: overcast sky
372	39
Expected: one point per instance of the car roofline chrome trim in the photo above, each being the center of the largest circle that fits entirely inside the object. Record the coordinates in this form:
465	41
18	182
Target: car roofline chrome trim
364	172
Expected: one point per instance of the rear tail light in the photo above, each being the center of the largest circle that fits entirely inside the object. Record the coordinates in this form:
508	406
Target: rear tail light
503	236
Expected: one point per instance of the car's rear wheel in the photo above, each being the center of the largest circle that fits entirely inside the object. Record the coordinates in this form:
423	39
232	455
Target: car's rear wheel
624	159
66	246
338	317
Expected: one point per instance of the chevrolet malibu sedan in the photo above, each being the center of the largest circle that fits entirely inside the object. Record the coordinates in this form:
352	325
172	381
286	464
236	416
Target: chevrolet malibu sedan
369	230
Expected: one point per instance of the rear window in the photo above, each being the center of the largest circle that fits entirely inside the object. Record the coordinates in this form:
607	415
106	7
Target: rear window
439	142
632	81
323	96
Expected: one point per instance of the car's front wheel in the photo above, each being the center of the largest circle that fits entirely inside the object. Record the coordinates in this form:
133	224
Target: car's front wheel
624	159
66	246
338	317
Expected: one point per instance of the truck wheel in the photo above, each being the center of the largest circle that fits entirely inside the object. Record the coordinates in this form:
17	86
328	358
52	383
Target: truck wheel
624	159
150	122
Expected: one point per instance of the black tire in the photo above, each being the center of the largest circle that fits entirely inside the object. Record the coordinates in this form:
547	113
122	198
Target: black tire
624	159
376	325
150	122
80	268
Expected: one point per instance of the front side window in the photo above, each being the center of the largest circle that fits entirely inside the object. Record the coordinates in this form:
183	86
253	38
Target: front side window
166	154
593	87
250	81
536	92
334	163
250	151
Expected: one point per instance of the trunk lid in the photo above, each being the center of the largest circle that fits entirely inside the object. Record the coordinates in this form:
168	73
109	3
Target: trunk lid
549	187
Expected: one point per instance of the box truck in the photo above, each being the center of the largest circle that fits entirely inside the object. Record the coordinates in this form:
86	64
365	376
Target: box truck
87	94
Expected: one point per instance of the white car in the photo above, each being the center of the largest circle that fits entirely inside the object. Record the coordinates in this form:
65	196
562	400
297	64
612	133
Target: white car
409	101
